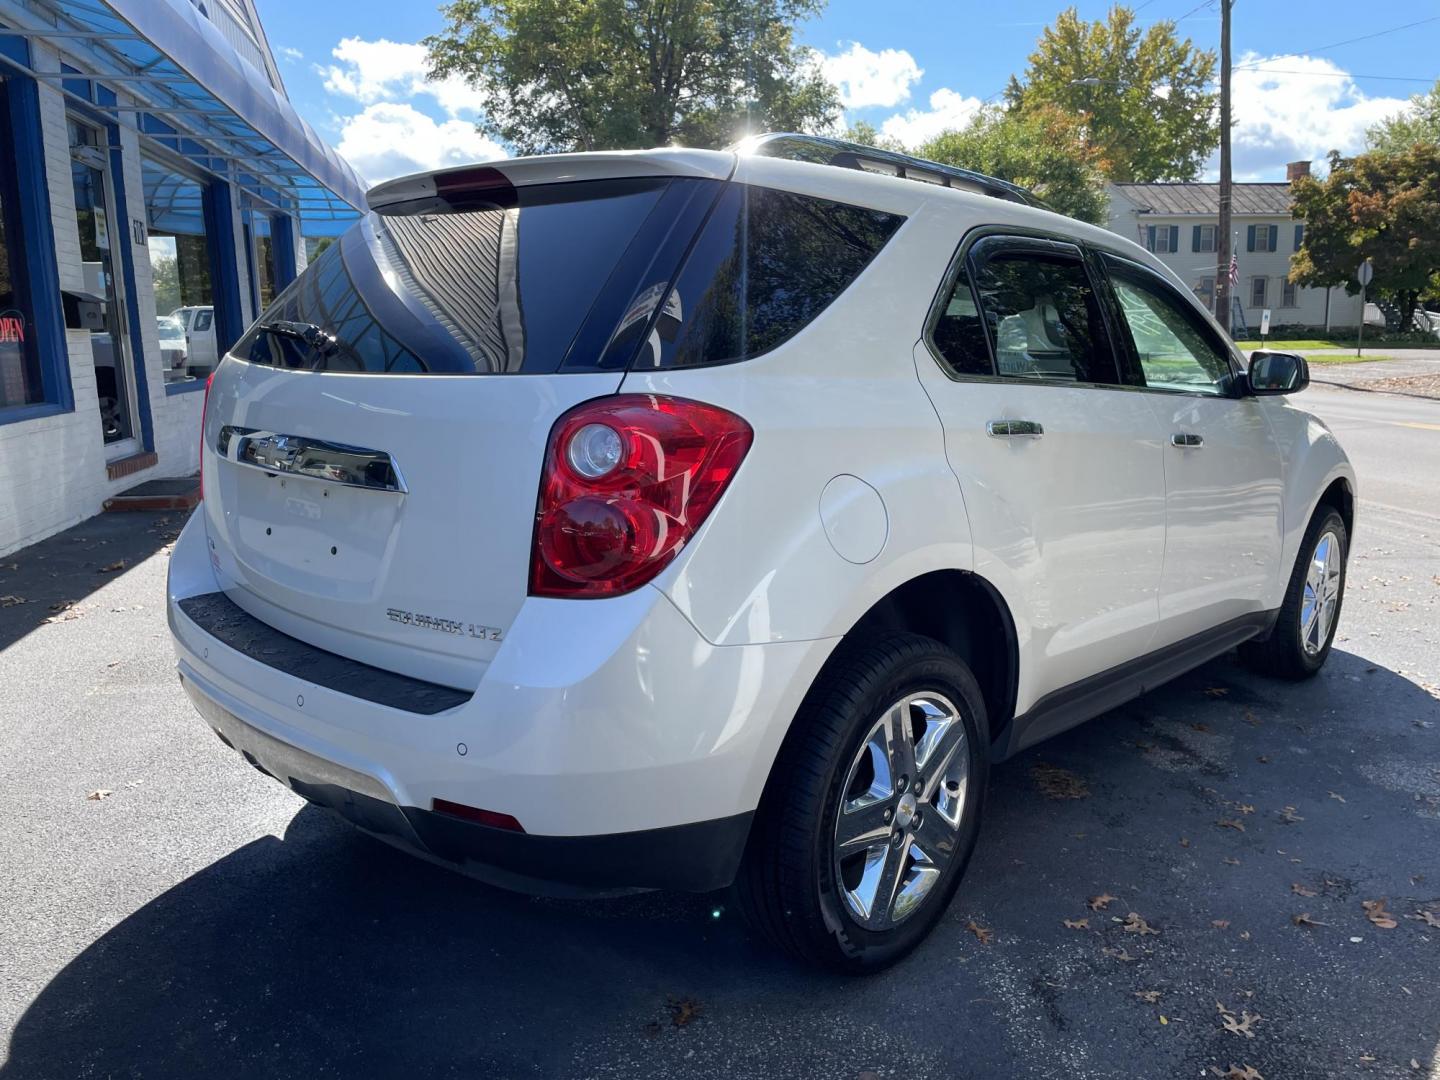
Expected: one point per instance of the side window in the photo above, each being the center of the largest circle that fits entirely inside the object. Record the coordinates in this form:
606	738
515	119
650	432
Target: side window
765	265
1175	349
203	320
1042	317
959	335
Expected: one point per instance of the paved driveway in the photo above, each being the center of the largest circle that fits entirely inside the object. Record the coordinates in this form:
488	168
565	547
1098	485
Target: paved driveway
200	920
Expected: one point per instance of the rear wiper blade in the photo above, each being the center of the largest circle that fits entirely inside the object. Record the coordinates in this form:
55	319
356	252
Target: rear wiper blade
314	336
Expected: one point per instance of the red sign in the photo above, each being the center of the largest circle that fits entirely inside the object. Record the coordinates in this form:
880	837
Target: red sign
12	328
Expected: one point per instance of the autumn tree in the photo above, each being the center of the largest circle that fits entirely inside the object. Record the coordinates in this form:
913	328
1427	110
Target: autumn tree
1384	207
1417	123
1039	147
1150	113
608	74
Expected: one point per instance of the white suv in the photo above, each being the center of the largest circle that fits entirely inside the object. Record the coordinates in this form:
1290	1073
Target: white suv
668	519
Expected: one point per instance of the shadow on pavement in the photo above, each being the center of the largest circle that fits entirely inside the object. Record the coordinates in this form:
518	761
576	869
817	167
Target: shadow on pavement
45	580
328	953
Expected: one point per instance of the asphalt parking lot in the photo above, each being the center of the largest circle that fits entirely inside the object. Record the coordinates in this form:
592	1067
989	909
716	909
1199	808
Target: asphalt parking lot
200	920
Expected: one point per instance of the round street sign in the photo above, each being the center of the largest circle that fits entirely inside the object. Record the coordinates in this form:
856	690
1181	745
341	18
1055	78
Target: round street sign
1365	273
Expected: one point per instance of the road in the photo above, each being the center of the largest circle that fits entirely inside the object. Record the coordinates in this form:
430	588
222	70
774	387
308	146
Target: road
200	920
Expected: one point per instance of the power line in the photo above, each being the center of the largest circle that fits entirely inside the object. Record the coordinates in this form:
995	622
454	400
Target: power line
1367	37
1335	74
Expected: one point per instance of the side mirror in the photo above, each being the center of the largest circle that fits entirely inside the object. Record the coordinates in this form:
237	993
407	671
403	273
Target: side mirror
1277	373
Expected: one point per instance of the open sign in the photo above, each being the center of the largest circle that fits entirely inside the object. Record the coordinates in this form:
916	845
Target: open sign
12	328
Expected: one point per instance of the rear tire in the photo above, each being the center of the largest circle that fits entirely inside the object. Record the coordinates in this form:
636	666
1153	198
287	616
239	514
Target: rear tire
1305	629
856	851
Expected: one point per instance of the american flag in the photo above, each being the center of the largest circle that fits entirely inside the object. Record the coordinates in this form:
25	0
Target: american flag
1234	271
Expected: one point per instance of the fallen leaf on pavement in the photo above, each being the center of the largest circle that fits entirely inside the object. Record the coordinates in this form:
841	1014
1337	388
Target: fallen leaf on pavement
12	601
1236	1072
1301	890
1244	808
1230	860
684	1011
1150	996
1429	918
980	932
1220	924
1263	760
1251	719
1216	691
1057	783
1134	924
99	793
1231	823
1304	920
118	564
1376	913
1101	902
1337	798
1240	1025
1077	924
1204	729
1244	935
1120	954
1288	815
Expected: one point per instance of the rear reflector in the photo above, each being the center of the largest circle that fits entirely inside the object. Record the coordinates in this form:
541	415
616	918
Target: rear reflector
473	813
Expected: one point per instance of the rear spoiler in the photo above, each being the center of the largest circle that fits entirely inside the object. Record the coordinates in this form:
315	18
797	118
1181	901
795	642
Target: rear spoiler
550	169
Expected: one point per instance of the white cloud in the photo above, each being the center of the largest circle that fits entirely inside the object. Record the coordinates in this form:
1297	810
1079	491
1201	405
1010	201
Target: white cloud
390	139
948	111
397	131
291	54
866	78
383	70
1297	108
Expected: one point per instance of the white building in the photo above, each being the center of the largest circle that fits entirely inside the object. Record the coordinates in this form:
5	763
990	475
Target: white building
150	163
1180	224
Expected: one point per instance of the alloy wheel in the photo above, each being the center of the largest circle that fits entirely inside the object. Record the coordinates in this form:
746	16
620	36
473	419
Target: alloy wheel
897	825
1322	593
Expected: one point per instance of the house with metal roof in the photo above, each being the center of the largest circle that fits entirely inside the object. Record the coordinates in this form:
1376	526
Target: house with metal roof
157	190
1180	222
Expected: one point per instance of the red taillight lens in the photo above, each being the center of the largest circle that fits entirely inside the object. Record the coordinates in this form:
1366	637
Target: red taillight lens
627	481
204	411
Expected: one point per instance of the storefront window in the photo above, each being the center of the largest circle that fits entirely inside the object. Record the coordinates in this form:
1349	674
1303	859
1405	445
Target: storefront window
20	382
180	266
262	257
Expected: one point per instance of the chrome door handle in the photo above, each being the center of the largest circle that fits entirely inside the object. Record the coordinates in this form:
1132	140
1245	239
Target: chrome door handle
1187	440
1009	429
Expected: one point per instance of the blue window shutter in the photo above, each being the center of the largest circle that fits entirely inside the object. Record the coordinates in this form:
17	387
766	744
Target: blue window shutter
1174	237
1250	238
1274	237
1299	236
1195	238
1149	237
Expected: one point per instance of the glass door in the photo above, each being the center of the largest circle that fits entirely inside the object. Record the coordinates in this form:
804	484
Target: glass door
99	239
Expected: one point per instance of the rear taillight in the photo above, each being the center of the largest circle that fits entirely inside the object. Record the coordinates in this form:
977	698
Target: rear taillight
204	410
627	481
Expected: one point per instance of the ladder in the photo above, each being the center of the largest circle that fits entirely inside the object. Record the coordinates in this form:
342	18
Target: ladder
1237	318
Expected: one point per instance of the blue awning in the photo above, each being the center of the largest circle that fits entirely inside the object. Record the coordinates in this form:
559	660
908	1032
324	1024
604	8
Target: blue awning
204	101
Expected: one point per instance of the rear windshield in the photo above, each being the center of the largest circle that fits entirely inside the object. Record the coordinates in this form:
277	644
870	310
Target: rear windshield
588	276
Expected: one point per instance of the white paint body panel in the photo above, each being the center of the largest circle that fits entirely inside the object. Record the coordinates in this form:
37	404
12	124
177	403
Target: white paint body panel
668	705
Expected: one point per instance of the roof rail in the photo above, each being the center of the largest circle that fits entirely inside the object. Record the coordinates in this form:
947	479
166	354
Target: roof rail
821	150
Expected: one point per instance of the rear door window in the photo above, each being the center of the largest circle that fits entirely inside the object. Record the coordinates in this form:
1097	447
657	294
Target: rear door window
1041	313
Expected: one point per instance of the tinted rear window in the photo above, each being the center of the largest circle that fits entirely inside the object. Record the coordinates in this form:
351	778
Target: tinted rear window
765	265
571	277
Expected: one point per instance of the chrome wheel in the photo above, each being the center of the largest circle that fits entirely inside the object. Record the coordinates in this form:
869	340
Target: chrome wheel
900	809
1322	593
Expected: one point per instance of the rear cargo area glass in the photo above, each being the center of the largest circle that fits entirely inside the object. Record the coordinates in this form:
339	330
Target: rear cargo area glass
585	276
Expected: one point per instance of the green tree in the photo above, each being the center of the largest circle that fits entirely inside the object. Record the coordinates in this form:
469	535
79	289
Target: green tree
1040	148
608	74
1146	96
1419	123
166	272
867	134
1384	207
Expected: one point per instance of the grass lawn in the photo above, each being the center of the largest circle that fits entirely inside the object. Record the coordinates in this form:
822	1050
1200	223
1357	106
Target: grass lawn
1311	343
1347	358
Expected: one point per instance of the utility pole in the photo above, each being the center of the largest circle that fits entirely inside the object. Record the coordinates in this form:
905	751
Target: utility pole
1222	274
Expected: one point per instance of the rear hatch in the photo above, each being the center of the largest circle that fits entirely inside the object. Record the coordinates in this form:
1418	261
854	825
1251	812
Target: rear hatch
372	447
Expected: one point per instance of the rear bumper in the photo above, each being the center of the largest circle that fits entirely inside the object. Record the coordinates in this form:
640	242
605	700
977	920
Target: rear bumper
631	750
697	857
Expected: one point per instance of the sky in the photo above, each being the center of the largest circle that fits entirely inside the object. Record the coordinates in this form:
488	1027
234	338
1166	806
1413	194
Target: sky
1310	77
